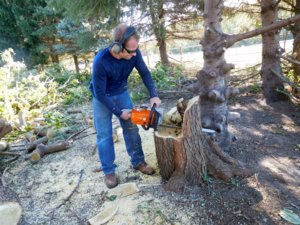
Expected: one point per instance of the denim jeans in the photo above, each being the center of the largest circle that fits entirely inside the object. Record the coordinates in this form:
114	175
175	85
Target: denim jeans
103	125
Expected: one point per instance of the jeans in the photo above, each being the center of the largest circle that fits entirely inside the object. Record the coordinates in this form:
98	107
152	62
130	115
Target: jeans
103	125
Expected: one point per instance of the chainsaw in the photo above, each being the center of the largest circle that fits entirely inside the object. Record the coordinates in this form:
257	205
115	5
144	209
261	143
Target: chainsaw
153	118
146	118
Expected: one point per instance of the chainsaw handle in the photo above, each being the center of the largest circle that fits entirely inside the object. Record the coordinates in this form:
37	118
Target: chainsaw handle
152	112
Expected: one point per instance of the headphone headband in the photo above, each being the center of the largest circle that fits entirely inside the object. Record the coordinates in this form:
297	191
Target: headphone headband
127	34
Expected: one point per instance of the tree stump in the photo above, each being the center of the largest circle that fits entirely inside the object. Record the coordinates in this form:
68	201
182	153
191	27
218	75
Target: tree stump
187	157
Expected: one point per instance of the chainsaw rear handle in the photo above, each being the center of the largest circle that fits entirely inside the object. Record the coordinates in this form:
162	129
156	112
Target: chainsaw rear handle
153	119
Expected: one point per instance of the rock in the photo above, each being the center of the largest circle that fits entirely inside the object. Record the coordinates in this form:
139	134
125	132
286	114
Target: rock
10	213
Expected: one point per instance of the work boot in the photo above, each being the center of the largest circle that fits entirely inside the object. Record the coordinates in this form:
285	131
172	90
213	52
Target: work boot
111	180
145	168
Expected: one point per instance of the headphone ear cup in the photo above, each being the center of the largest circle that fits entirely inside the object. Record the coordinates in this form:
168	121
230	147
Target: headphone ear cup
116	48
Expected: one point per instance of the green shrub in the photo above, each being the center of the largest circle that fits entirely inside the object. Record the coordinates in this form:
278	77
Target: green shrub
255	88
35	91
165	78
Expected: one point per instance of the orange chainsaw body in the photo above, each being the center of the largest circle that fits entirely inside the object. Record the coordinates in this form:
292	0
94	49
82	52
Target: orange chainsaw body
140	116
147	118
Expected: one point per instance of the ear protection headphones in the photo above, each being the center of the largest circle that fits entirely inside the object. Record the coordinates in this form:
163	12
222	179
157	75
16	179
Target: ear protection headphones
118	46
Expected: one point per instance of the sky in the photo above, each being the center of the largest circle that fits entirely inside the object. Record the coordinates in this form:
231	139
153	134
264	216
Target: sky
238	2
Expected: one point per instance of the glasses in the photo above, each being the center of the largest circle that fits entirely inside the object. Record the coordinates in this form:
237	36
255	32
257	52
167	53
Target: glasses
131	51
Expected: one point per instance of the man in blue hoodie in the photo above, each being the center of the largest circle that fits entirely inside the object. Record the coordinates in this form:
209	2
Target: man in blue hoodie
111	69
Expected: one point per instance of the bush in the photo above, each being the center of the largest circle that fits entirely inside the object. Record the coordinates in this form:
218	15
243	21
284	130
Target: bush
34	91
165	78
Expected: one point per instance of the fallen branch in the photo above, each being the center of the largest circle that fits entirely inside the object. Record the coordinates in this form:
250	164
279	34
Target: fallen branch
3	175
73	111
10	153
34	144
79	132
285	79
289	95
84	136
69	196
243	80
290	60
11	160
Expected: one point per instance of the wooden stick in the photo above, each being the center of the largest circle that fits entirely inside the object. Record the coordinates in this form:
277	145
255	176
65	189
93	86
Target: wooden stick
10	153
285	79
84	136
287	58
79	132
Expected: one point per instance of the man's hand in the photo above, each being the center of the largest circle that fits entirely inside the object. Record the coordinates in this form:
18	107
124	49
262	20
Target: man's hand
155	100
126	114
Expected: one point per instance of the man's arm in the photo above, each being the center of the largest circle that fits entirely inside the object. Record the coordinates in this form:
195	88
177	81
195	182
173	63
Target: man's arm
99	79
145	74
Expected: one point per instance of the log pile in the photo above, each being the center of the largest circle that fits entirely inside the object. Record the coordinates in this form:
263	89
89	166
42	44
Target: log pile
36	143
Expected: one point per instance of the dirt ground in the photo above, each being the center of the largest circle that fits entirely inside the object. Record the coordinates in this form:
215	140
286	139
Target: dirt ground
268	141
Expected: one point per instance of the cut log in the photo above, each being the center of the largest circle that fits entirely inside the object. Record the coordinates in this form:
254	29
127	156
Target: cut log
42	150
34	144
41	131
30	137
187	157
3	146
5	128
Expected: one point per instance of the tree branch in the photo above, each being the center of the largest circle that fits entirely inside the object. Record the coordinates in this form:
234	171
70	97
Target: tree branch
287	58
231	39
286	80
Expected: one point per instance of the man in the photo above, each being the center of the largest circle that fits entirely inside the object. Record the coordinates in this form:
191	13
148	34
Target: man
111	69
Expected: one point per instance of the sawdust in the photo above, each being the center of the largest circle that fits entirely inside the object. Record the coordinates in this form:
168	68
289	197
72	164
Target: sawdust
265	135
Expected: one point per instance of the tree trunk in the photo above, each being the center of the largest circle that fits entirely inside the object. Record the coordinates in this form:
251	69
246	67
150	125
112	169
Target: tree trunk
212	86
162	45
53	55
271	55
75	57
54	58
158	25
187	157
296	46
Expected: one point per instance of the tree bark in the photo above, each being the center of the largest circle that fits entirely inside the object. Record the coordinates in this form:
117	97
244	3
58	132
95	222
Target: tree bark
271	55
187	157
75	57
158	25
211	84
296	46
